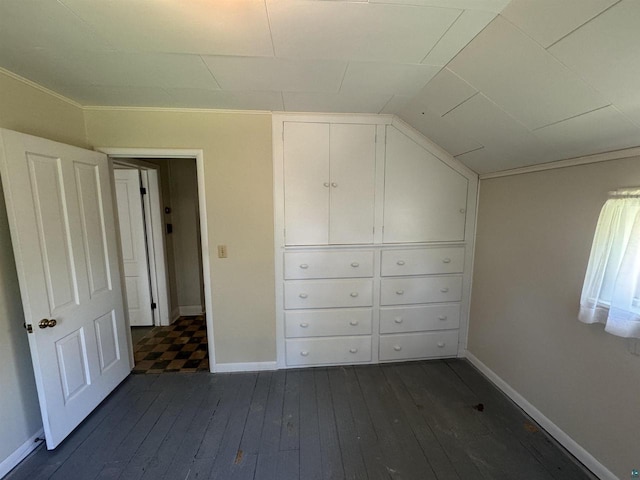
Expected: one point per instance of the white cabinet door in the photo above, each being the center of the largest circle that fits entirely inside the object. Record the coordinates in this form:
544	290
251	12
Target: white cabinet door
353	163
306	183
424	199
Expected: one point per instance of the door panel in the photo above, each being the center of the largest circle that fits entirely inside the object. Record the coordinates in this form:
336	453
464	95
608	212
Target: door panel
68	271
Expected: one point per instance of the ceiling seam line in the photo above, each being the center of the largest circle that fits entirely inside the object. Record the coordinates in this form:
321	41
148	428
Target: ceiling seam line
470	151
443	35
462	102
570	118
206	65
273	45
344	75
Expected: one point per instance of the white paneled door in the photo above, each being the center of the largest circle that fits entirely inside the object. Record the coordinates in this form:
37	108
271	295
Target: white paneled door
59	203
134	247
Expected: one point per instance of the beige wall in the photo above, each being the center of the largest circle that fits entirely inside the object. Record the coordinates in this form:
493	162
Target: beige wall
533	242
239	192
32	111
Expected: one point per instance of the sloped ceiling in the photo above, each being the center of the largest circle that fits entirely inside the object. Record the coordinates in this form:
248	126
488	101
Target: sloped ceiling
498	84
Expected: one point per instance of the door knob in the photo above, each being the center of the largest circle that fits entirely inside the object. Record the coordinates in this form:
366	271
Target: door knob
44	323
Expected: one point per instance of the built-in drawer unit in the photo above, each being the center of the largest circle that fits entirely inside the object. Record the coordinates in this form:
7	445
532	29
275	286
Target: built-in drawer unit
328	350
403	291
328	264
324	323
419	318
419	345
422	261
299	294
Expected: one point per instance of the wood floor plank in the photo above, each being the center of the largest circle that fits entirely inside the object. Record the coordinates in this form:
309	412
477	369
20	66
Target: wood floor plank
290	431
310	456
329	443
252	434
267	463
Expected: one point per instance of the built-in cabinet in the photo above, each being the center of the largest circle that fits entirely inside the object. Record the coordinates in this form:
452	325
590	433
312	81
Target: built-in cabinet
372	247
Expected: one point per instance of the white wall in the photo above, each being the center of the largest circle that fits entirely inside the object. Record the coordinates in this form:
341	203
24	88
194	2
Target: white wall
533	242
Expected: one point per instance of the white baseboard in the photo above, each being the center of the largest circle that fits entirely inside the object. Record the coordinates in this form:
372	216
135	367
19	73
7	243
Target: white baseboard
244	367
20	454
552	429
175	315
189	310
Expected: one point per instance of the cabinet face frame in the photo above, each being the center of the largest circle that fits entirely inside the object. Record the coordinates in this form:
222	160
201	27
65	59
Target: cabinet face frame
381	122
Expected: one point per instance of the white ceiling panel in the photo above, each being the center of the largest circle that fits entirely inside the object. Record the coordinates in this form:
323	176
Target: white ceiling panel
547	21
485	161
605	52
445	92
276	74
594	132
195	98
437	129
356	31
523	78
116	96
397	79
466	27
353	102
495	6
395	105
224	27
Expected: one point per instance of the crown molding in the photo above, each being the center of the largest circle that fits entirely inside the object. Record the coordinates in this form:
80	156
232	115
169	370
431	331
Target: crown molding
37	86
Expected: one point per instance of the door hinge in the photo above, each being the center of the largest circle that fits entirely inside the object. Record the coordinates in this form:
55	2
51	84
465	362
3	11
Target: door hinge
153	305
28	327
143	191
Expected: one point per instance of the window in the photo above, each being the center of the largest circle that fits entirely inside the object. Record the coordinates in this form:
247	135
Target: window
611	290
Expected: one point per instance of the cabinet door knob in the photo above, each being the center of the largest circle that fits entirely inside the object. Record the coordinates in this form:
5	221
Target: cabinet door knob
354	294
400	262
440	344
304	325
304	353
444	289
397	348
353	350
399	292
442	317
353	323
334	185
446	260
462	210
304	266
303	295
355	264
326	184
398	320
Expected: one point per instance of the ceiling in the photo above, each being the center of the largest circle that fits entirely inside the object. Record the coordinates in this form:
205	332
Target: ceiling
499	84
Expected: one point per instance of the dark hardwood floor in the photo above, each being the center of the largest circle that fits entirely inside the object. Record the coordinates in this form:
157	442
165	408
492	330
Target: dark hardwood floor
422	420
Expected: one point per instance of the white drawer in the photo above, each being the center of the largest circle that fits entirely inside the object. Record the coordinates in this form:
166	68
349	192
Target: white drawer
421	318
300	294
419	345
325	323
329	350
330	264
422	261
402	291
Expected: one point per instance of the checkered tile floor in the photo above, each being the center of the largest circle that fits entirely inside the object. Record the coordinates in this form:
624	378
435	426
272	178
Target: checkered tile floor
181	347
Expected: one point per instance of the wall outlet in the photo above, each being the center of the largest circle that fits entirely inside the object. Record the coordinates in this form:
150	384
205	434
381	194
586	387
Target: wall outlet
222	251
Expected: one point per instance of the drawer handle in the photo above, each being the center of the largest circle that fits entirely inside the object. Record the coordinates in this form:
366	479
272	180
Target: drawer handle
446	260
304	266
440	344
326	184
334	184
442	317
304	325
354	294
304	353
353	350
444	289
462	210
355	264
398	320
399	292
354	323
400	262
303	295
397	348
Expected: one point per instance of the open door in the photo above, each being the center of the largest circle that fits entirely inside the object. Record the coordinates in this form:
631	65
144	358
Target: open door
59	203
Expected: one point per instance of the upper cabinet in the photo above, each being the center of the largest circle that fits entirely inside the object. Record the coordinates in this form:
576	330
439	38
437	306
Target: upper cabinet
425	200
329	183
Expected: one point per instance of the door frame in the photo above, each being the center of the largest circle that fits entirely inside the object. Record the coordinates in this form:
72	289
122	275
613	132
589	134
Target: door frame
115	153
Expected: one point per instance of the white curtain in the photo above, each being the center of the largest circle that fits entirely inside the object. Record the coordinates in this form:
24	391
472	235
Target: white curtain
611	291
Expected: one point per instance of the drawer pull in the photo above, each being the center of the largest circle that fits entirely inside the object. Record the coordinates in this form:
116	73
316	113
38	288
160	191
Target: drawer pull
399	292
334	184
353	350
442	318
304	325
440	344
444	289
398	320
304	266
326	184
400	262
397	348
304	353
354	323
354	294
303	295
446	260
355	264
462	210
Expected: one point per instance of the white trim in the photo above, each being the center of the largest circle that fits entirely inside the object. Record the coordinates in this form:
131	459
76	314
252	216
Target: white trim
588	460
245	367
368	118
37	86
21	453
175	315
572	162
174	110
189	310
198	154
